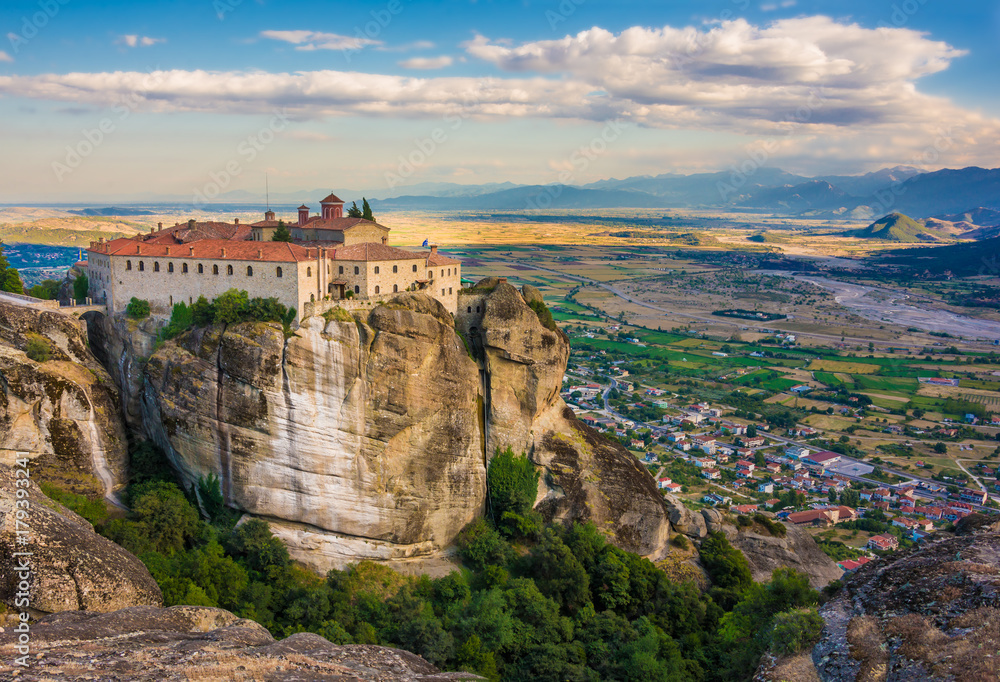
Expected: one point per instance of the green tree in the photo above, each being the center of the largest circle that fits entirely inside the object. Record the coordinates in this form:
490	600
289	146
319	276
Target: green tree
254	543
48	290
231	306
181	319
137	308
513	486
751	431
12	281
940	448
202	312
366	210
281	233
162	520
558	574
81	288
354	211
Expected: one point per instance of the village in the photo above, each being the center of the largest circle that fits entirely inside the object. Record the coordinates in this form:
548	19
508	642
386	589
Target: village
711	454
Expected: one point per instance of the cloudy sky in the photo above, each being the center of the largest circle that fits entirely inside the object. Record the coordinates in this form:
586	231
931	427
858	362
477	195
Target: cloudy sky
116	99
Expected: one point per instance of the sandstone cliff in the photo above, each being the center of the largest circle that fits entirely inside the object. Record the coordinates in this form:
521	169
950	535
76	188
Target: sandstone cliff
148	644
64	411
72	566
358	438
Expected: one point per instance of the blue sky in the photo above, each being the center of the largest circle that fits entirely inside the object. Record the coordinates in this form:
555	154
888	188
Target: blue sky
121	100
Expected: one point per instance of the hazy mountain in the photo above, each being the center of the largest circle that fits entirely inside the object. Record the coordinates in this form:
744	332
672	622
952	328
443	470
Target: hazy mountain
110	211
976	216
864	185
943	192
812	195
528	197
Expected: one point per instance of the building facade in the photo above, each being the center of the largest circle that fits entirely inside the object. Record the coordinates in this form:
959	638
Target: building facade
340	258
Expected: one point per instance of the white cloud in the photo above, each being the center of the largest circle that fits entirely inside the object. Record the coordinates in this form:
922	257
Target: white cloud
4	57
307	41
427	62
133	40
824	88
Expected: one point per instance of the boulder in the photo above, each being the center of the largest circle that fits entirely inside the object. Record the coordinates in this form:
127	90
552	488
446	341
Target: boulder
148	644
684	520
72	567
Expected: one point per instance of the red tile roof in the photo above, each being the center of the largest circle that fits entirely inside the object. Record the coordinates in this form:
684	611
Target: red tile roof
185	232
436	259
209	248
332	199
371	251
339	224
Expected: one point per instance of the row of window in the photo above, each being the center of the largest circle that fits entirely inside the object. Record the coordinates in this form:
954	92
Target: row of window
201	268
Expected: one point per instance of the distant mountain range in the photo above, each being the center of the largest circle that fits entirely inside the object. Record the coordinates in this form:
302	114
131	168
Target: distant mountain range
973	193
895	227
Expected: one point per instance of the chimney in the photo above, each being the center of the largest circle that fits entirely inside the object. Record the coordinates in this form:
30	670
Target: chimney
191	222
385	240
159	226
190	250
434	248
152	230
168	250
101	240
223	253
502	280
237	221
260	254
138	248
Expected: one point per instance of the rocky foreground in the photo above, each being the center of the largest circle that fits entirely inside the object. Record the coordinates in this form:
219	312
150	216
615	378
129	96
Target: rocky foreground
149	644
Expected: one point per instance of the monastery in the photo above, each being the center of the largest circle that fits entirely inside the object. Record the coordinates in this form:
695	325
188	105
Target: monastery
329	258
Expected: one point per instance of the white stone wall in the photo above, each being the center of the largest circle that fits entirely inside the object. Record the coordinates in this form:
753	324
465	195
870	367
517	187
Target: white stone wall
444	285
163	289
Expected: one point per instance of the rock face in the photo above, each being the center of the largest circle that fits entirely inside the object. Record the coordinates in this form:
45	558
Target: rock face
928	614
148	644
72	566
355	439
586	476
368	436
62	412
796	550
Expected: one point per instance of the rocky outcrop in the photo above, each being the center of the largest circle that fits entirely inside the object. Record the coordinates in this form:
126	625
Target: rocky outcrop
358	438
63	412
148	644
72	567
585	477
798	550
925	614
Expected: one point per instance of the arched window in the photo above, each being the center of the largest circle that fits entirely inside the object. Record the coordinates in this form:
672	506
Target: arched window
215	269
201	269
309	272
449	272
470	308
229	269
357	289
395	288
249	271
312	297
156	266
356	270
279	272
170	267
414	267
128	265
442	291
477	309
442	273
341	269
395	269
376	269
142	266
184	268
377	289
449	290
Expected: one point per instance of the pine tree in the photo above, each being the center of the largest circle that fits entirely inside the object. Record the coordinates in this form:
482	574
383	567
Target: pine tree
281	234
354	211
366	210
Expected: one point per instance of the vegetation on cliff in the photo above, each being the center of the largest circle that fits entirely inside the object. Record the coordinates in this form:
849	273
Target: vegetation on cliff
532	602
10	278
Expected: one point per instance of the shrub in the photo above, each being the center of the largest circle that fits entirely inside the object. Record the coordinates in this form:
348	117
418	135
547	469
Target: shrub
181	319
94	511
680	541
544	315
795	631
137	308
513	486
37	348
